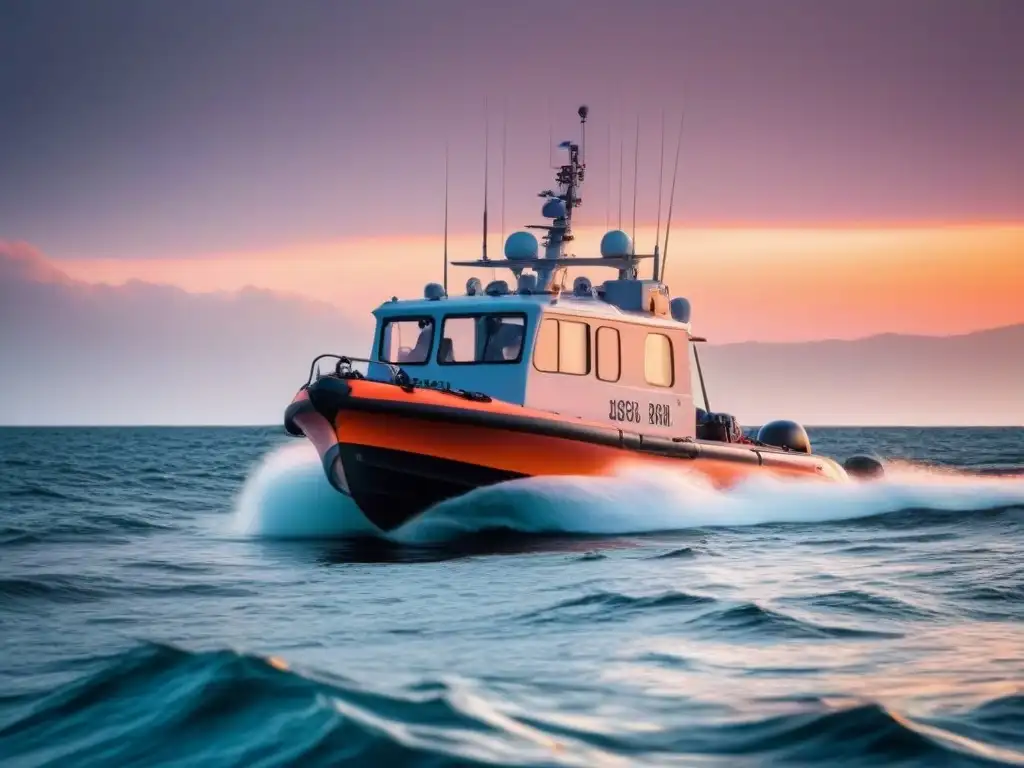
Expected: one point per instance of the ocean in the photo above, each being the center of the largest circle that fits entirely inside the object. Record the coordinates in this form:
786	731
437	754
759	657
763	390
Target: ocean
201	597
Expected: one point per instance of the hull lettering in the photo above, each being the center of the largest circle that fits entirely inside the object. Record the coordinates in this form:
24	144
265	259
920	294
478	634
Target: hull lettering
431	384
624	410
659	415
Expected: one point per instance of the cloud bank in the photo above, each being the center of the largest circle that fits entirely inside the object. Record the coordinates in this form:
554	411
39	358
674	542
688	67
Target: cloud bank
142	353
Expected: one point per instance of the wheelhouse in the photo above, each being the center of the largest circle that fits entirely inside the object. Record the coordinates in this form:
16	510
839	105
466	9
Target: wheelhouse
576	356
478	345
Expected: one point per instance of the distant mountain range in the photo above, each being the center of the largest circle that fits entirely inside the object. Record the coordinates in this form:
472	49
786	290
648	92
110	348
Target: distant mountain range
76	353
971	379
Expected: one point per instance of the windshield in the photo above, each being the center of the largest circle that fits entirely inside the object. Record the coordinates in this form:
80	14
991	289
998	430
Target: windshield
483	338
406	340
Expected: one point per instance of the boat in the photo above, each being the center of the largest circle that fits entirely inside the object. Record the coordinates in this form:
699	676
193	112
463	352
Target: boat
540	378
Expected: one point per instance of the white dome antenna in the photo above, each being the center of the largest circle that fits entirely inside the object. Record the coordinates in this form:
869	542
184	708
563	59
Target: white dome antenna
520	246
616	244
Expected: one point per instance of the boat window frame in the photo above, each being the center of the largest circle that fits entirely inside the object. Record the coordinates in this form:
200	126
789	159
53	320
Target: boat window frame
671	361
588	354
476	315
695	363
388	319
597	353
536	341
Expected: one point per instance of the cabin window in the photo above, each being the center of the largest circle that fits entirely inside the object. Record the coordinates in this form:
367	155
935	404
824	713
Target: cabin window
573	348
406	341
563	346
658	360
545	351
483	338
607	348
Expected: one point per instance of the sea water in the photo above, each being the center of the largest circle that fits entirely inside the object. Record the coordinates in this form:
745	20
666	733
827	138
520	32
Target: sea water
202	597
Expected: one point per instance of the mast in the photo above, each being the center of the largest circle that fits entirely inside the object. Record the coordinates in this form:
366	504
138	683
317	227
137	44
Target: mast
559	205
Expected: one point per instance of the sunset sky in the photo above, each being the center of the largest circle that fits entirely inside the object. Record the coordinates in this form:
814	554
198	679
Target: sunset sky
846	168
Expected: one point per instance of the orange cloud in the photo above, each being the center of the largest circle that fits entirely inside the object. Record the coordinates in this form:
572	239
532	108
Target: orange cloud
762	283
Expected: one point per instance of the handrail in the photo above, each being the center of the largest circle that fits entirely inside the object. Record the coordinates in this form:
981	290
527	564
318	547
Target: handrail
399	377
344	366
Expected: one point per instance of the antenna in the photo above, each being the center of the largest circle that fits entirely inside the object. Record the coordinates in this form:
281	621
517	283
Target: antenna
487	136
446	217
551	139
671	198
608	170
636	166
583	111
504	144
620	174
661	188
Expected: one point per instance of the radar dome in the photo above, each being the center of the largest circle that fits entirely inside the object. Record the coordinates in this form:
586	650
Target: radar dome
521	245
554	208
616	244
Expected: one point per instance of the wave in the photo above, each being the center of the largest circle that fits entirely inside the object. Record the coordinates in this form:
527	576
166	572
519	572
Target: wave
157	704
613	606
287	496
863	603
28	591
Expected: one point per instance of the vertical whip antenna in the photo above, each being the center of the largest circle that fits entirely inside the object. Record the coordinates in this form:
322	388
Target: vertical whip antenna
583	112
487	137
446	217
504	145
636	167
620	174
661	187
671	198
608	170
551	139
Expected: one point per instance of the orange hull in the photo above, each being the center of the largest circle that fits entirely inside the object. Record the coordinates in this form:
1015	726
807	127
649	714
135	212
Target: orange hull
398	451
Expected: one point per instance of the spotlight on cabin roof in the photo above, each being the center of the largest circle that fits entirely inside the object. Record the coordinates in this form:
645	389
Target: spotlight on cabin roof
582	286
554	208
527	284
616	244
521	245
433	291
497	288
474	287
680	309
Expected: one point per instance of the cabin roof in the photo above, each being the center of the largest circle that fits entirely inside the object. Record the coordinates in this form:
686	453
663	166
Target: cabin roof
565	303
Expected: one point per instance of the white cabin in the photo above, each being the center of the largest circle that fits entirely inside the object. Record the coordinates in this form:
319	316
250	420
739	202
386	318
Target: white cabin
574	354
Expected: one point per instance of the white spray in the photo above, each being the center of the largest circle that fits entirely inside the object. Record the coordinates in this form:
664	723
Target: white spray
287	496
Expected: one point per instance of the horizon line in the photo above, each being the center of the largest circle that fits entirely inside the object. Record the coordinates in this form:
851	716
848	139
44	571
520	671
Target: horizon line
254	425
